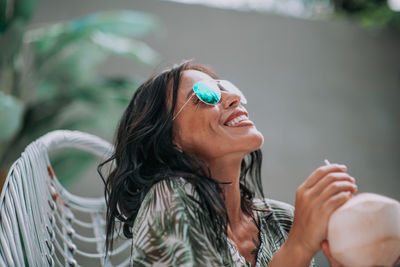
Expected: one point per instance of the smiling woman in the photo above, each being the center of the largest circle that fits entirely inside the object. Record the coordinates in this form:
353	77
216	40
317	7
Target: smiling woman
186	181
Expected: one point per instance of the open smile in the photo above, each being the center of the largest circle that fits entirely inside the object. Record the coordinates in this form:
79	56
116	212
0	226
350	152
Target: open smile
238	118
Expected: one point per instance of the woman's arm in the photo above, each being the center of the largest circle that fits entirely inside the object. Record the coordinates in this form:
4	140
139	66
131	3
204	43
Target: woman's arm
325	190
291	254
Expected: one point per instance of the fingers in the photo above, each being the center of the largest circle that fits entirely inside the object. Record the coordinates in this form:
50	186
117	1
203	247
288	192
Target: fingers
331	178
335	202
322	171
337	187
332	189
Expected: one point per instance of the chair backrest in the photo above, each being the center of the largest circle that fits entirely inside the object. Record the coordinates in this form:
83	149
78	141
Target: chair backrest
41	223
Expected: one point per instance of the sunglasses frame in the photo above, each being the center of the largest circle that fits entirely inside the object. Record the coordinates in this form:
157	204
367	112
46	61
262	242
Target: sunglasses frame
217	81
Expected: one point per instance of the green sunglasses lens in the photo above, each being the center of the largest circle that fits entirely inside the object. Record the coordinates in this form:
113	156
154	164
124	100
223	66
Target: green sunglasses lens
207	92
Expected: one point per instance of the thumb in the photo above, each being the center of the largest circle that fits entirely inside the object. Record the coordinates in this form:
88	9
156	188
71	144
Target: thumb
325	248
327	252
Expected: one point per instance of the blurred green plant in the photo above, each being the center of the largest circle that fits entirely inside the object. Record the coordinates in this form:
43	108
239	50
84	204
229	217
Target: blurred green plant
49	79
374	14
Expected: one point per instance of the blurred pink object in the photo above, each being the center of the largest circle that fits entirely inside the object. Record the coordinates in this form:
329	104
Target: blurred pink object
365	231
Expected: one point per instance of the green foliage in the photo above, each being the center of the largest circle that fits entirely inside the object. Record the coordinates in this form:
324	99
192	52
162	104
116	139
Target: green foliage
14	16
374	14
10	115
49	79
76	162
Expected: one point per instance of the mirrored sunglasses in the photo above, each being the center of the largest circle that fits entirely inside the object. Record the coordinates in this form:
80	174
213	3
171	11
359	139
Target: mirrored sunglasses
209	92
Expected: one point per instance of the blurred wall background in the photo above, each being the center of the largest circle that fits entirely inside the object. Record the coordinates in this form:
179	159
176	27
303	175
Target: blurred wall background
316	89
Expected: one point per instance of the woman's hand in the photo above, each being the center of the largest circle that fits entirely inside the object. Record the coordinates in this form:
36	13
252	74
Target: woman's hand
325	190
327	252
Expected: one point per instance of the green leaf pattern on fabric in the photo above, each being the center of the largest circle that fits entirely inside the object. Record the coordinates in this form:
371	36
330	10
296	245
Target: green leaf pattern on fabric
172	230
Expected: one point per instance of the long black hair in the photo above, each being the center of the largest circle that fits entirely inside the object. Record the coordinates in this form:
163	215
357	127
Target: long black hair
145	154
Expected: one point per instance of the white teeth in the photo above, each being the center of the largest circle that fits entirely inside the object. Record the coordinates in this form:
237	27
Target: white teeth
237	120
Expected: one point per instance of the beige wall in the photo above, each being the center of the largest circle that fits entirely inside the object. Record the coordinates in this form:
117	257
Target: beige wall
316	89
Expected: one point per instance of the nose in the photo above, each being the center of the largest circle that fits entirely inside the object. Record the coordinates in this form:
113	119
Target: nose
230	99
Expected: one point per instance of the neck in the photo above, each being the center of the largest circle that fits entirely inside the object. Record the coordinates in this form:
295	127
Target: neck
228	171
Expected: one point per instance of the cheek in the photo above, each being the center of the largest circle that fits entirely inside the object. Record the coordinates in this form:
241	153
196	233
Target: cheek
199	135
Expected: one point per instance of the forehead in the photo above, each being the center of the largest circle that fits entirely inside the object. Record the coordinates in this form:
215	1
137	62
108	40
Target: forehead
190	77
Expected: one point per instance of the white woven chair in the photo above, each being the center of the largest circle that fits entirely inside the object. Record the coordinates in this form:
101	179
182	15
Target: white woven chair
41	223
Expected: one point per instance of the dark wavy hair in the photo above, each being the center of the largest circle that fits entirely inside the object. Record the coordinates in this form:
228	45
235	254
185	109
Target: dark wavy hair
145	154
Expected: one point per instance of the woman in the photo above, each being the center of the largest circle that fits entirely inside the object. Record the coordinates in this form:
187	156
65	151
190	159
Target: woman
186	181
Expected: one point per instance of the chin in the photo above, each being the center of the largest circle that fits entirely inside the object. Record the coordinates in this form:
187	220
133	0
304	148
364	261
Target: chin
259	141
255	141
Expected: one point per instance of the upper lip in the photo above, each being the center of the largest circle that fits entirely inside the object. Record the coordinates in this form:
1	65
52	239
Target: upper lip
235	114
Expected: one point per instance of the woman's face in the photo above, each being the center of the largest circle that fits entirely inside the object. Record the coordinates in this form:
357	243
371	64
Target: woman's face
206	131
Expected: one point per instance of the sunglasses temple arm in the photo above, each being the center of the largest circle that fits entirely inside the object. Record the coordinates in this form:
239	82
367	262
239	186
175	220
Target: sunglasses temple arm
176	115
